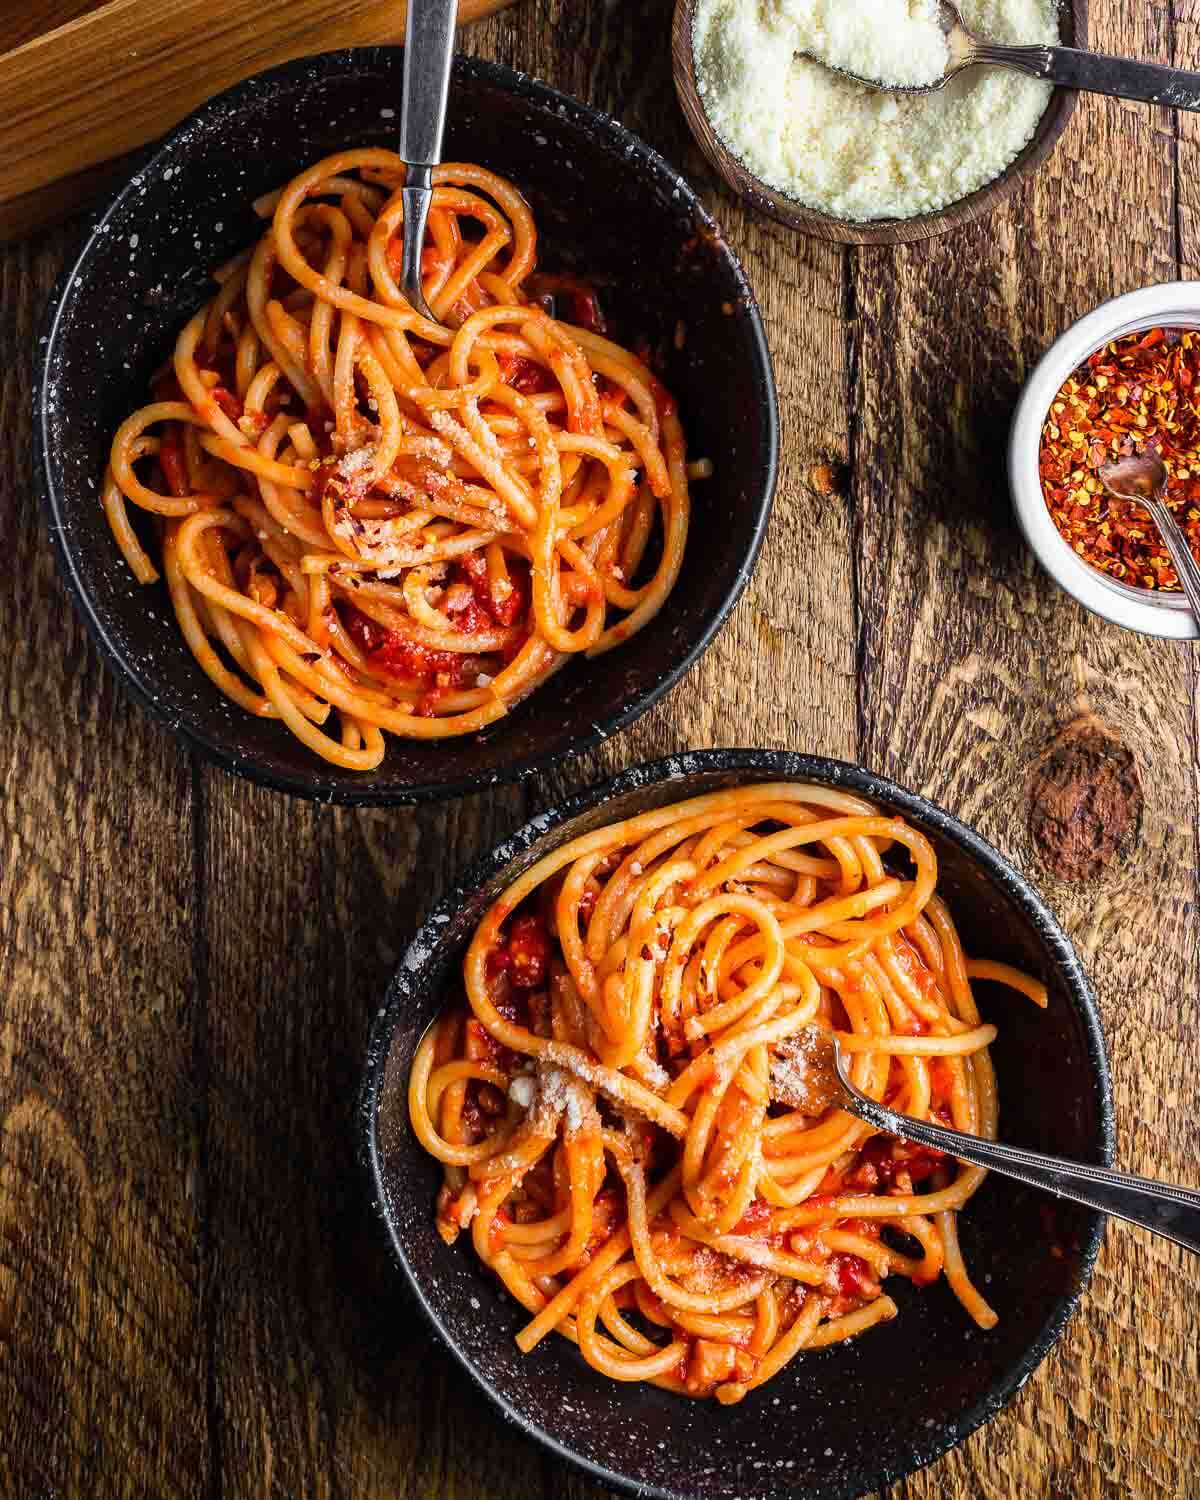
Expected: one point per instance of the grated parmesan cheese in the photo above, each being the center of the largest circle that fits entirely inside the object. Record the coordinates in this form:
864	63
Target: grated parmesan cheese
848	150
520	1090
899	42
357	461
803	1072
553	1094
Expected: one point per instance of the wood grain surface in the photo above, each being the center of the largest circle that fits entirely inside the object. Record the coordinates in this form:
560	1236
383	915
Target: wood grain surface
22	23
86	82
194	1300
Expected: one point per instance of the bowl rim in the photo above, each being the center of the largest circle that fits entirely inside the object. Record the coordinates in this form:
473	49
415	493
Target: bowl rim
430	937
794	214
314	786
1169	304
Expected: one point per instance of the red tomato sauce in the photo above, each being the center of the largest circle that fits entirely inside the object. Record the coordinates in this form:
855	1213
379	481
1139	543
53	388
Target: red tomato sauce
171	460
524	375
570	298
343	489
908	959
507	609
227	401
585	310
757	1214
397	656
852	1276
528	953
882	1160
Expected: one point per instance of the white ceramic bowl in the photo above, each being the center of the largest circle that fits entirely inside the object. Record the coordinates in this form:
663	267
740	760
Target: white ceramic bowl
1175	304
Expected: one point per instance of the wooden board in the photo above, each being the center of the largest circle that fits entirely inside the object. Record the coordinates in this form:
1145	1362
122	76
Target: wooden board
23	23
84	83
194	1300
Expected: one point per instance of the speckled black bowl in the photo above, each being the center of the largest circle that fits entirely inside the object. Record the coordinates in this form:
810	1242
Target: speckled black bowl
606	204
838	1422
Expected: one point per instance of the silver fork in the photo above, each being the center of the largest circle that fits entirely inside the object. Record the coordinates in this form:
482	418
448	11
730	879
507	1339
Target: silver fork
428	53
1070	67
1170	1211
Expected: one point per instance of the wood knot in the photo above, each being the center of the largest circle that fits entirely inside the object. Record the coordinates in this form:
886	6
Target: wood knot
828	477
1085	798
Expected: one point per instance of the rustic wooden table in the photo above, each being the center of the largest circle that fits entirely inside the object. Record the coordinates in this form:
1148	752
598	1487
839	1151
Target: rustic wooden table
194	1300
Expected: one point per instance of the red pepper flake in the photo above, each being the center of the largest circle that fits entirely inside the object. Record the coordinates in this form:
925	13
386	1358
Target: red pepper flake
1131	395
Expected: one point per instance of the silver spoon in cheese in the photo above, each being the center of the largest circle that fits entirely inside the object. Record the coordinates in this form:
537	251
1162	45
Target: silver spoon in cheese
1069	67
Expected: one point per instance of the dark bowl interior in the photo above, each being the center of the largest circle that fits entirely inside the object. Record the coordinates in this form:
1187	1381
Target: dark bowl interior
840	1421
606	205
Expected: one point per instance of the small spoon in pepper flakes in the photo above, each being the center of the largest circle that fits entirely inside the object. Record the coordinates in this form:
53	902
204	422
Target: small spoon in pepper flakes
1143	479
823	1058
1069	67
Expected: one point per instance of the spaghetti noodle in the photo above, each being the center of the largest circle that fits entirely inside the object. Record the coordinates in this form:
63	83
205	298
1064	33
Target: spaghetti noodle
411	522
622	1108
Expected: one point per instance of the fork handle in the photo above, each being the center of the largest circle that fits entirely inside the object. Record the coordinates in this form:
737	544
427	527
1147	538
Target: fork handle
428	53
1097	73
1173	1212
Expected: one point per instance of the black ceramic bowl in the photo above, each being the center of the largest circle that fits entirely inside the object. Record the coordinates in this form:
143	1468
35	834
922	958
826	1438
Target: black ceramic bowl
836	1422
606	204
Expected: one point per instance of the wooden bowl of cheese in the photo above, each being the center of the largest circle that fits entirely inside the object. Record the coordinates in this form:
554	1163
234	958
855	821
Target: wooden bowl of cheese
858	166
